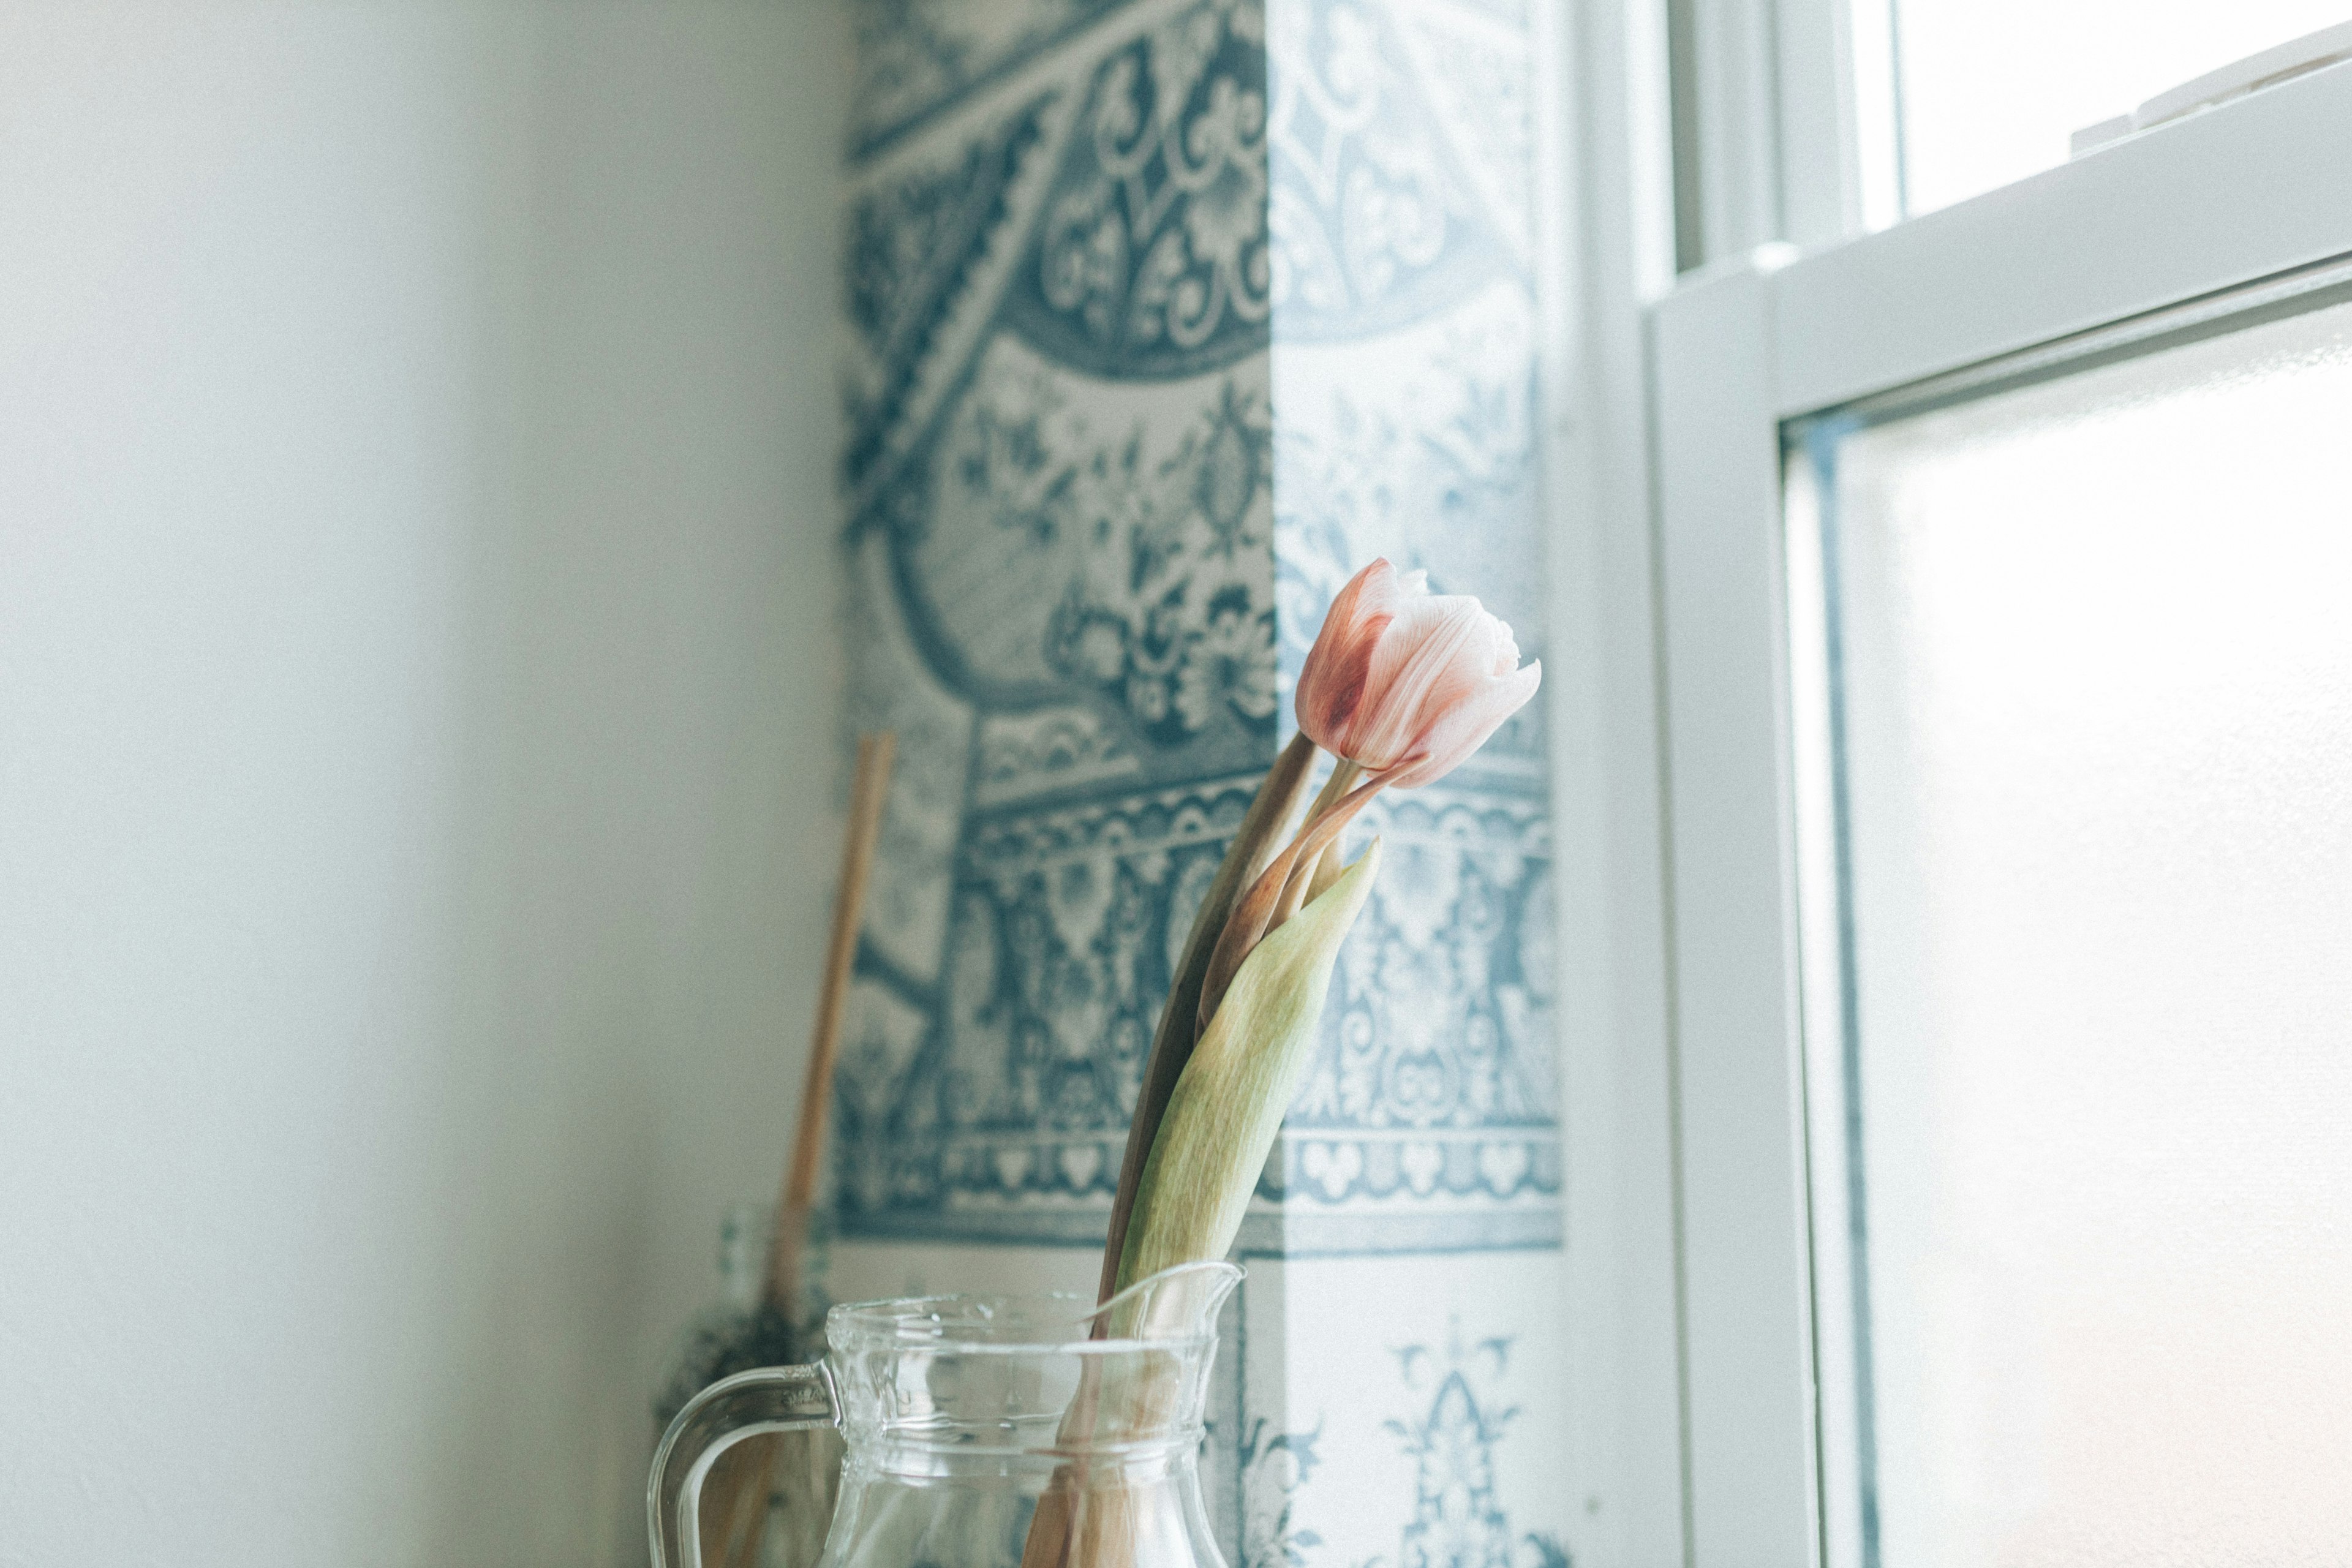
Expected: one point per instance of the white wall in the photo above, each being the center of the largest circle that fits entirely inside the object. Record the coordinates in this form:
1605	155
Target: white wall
416	762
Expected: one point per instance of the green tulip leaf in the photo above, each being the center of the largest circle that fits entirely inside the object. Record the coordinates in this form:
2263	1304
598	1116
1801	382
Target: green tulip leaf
1228	1103
1256	842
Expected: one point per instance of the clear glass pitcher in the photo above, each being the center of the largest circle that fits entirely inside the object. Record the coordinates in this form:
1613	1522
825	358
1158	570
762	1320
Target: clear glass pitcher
985	1431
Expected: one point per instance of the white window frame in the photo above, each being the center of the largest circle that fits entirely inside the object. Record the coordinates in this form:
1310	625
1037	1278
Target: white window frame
2255	189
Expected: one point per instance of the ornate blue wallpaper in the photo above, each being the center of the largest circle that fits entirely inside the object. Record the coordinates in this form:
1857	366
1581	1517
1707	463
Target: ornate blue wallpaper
1164	316
1154	345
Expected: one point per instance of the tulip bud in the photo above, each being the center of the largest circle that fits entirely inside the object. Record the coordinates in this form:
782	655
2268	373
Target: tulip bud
1406	682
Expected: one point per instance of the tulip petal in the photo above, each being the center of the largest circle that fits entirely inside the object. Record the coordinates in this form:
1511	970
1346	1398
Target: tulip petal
1331	683
1415	671
1466	725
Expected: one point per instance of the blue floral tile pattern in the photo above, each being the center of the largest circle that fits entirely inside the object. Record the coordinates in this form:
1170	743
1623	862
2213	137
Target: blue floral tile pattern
1162	316
1152	258
919	58
1125	414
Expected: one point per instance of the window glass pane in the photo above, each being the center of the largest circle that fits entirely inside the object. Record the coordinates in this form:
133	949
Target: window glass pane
2083	826
1992	89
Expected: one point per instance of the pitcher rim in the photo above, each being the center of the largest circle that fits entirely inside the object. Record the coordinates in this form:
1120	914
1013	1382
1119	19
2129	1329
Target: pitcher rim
892	1321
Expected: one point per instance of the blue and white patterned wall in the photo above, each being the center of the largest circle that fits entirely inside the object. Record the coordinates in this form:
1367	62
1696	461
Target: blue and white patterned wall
1167	315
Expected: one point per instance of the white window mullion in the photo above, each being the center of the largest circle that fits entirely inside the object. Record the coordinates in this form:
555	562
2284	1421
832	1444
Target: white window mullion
1747	1314
1834	109
1784	137
1726	128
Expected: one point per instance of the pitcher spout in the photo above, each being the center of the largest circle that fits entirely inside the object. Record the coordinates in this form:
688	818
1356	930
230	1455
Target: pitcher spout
1176	1305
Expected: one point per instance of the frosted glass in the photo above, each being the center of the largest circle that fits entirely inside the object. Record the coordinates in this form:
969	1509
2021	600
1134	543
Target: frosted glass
2098	760
1991	90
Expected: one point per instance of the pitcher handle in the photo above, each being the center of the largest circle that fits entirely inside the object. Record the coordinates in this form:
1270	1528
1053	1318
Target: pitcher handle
749	1404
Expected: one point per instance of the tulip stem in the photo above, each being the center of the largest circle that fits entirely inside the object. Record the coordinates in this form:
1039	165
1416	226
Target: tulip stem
1345	771
1309	877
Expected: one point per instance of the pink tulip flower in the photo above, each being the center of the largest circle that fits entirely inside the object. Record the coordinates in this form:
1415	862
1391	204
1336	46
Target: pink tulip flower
1407	683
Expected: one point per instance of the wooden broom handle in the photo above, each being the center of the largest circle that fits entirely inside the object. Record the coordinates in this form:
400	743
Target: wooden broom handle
867	792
